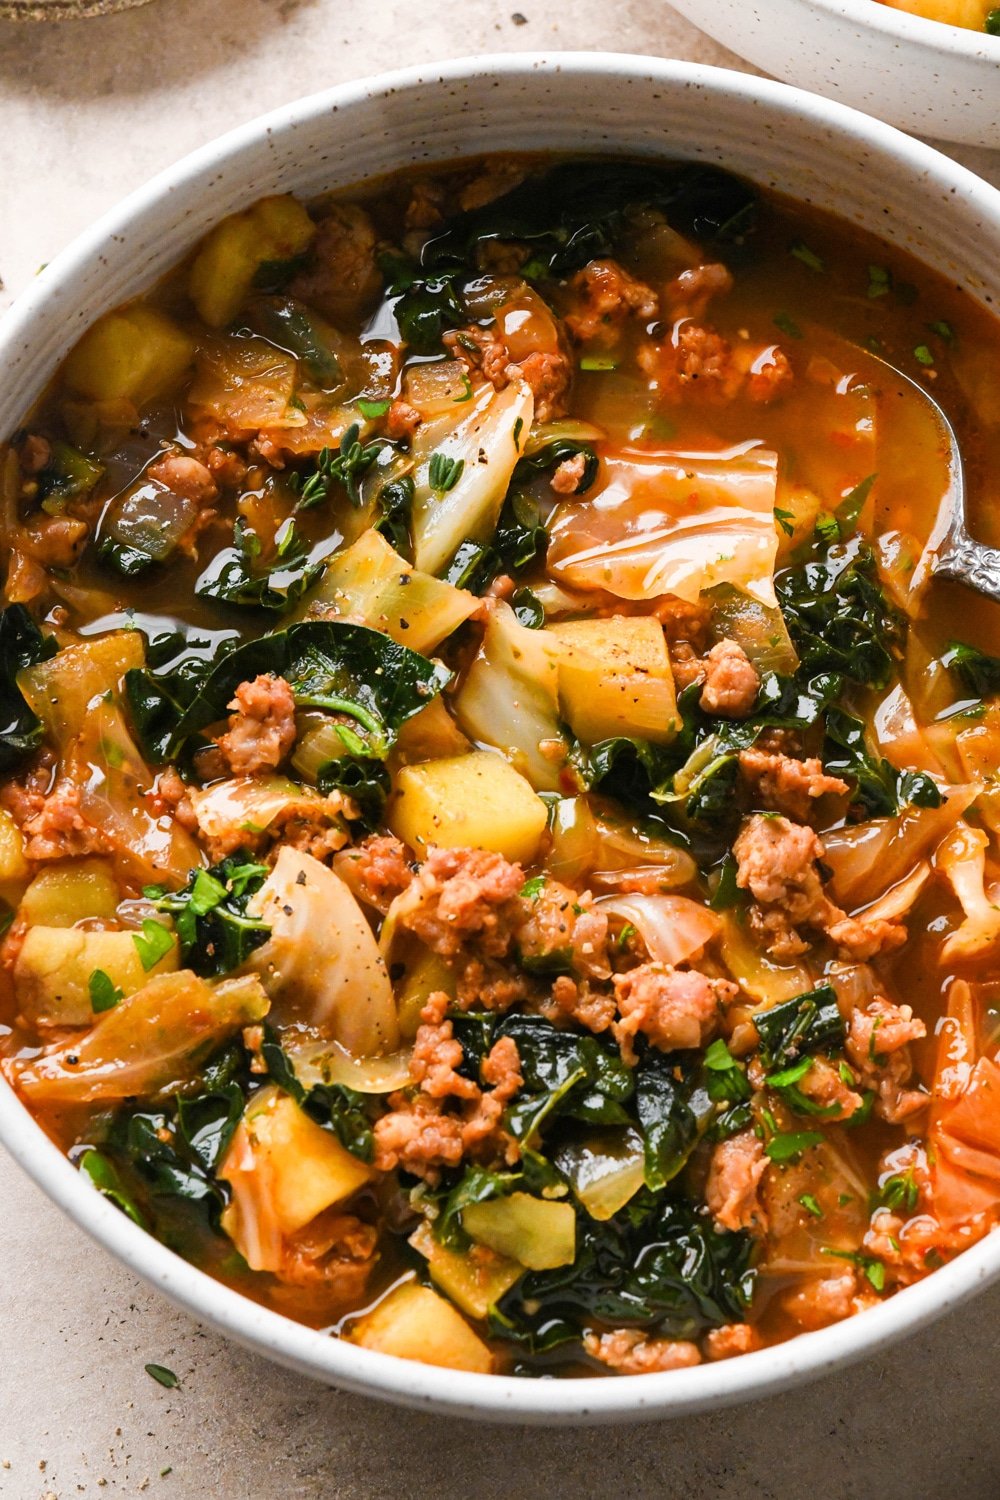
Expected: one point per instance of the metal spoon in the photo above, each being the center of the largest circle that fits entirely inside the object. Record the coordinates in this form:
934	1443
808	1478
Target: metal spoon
950	551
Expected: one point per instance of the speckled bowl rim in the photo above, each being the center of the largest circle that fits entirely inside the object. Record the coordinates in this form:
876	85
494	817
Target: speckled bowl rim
940	36
494	1397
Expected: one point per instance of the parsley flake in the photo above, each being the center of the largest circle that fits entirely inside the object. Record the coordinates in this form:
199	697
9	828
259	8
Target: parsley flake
104	993
154	944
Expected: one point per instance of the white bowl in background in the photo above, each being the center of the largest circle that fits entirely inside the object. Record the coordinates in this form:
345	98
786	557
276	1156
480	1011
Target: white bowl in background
805	146
921	75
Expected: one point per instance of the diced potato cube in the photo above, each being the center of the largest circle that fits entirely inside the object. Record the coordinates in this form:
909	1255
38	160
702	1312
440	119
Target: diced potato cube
475	1279
615	679
53	969
63	894
415	1323
133	354
475	801
222	275
540	1233
304	1167
14	868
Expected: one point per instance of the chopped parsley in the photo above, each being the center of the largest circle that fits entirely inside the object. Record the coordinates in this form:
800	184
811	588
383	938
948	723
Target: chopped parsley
372	410
104	993
879	282
792	1145
155	943
808	257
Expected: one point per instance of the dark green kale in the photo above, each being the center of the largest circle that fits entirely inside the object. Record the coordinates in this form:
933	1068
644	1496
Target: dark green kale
658	1264
838	616
805	1024
67	475
293	326
346	669
566	1075
578	211
674	1108
427	304
977	672
548	458
152	1162
877	786
363	778
395	501
22	645
235	575
157	695
215	933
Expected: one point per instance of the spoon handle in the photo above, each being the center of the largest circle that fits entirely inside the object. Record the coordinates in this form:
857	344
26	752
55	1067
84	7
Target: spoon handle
969	562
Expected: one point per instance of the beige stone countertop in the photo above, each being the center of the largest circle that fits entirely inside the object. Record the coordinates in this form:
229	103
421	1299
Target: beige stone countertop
88	110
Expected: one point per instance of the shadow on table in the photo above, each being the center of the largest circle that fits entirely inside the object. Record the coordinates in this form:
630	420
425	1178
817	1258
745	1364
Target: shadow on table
133	52
916	1424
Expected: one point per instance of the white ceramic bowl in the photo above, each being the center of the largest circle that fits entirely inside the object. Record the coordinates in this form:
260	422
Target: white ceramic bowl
924	76
780	137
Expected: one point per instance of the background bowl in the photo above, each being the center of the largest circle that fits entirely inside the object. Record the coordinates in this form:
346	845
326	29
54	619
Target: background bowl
61	10
921	75
782	138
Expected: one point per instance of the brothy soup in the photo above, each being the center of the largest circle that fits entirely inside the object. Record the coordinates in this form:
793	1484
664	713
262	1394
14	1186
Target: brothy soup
497	827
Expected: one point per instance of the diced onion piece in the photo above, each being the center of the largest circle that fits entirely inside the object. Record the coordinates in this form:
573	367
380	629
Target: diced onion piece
474	1279
573	830
761	978
475	801
251	803
439	387
321	963
245	384
150	1043
509	698
61	690
674	928
540	1233
483	441
962	857
758	628
605	1170
323	1063
671	525
370	583
868	858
